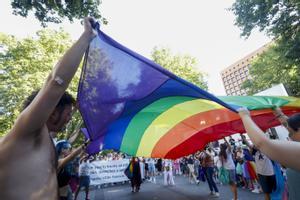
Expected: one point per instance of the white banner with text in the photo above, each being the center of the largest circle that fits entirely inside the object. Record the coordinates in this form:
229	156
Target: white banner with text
108	171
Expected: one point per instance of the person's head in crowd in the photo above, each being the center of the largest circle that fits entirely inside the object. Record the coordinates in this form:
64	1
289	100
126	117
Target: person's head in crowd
62	113
133	159
293	123
63	148
223	152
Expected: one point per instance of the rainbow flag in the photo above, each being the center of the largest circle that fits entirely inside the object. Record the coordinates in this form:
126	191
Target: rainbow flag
133	105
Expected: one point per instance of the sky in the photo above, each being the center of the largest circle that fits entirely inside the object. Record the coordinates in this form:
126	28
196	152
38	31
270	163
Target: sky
202	29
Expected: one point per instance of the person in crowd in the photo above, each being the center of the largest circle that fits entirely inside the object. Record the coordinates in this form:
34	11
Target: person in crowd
84	176
65	167
183	166
168	173
214	154
285	152
228	164
196	166
136	178
249	170
176	164
264	169
45	111
63	149
74	180
241	182
218	165
159	166
151	169
147	177
191	168
142	168
208	165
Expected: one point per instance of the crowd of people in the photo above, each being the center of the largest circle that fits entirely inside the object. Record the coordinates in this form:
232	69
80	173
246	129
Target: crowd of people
38	167
236	163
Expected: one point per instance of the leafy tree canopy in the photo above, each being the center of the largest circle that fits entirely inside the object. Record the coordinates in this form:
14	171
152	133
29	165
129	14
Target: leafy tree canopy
281	63
24	66
279	18
272	68
55	10
183	66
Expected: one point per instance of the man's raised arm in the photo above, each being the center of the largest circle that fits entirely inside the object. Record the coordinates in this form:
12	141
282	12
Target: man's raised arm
37	113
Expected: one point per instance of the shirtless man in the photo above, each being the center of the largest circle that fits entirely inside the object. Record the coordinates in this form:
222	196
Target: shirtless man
27	155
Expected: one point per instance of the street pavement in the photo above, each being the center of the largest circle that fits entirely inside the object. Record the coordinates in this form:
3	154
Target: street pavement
183	190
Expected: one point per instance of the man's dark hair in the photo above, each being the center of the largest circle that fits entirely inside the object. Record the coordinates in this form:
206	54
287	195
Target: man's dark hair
294	122
223	148
66	99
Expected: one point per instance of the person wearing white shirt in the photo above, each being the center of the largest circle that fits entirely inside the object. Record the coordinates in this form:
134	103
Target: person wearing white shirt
151	169
168	173
84	177
264	170
228	164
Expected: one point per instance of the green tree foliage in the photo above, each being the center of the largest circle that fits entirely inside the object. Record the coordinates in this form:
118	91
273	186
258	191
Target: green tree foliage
272	68
55	10
183	66
281	20
24	66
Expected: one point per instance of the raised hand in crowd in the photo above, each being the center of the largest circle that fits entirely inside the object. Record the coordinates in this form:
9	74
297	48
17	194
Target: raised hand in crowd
63	161
285	152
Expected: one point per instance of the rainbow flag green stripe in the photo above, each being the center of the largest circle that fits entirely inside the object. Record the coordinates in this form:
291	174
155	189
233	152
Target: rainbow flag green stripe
256	102
144	118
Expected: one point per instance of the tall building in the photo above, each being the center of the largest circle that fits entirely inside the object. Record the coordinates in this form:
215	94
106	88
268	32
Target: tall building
234	75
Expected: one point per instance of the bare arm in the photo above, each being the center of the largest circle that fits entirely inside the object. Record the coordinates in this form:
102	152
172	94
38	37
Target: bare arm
37	113
63	161
280	115
283	119
245	141
285	152
227	143
75	134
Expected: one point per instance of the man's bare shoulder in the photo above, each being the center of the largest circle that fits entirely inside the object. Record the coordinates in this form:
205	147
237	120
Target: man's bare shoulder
23	130
17	137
